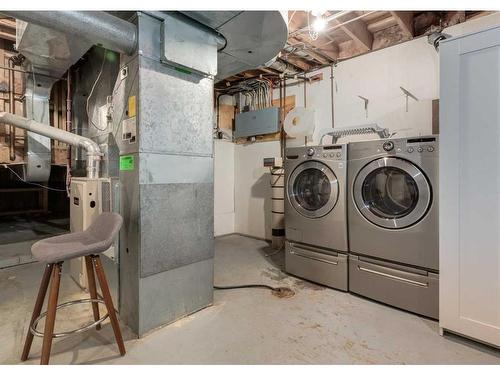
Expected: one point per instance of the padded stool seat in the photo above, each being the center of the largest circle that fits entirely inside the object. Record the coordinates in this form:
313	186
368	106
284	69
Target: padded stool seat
97	238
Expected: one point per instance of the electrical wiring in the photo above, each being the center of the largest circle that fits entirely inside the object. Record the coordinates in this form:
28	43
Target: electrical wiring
312	34
31	183
90	119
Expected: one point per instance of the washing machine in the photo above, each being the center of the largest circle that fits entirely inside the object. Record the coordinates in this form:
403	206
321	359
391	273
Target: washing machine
393	222
315	214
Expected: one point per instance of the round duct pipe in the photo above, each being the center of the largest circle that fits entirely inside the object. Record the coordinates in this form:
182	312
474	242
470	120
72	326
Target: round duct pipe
95	26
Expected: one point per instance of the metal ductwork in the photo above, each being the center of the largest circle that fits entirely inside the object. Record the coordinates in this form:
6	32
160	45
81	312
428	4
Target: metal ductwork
92	148
52	41
253	37
99	28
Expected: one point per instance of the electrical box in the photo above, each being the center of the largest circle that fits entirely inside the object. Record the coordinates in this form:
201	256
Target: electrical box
252	123
274	162
89	198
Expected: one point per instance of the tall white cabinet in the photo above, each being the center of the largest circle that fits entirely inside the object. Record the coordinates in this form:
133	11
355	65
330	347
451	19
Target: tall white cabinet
469	192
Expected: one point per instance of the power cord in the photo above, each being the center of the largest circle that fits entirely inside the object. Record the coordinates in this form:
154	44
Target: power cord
31	183
244	286
90	118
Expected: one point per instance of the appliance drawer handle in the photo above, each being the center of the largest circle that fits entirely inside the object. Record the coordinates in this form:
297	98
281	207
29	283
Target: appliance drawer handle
418	283
314	258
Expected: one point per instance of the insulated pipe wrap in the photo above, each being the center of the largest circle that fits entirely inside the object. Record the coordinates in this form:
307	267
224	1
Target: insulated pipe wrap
97	27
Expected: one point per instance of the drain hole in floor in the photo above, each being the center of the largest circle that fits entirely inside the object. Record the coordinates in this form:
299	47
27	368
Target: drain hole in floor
283	292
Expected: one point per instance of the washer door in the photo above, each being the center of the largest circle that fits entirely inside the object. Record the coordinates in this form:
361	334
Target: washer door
313	189
392	193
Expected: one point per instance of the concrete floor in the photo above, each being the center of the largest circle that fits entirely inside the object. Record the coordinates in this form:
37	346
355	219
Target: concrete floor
18	233
251	326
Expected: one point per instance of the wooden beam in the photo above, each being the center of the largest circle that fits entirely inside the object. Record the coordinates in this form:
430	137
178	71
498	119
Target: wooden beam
317	49
405	22
356	30
10	23
8	36
296	61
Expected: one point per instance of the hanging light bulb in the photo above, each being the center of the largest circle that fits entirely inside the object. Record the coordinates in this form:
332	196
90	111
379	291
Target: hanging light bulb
318	12
319	24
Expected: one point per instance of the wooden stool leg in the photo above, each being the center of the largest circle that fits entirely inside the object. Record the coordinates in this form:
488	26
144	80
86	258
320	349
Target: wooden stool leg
92	289
44	284
51	314
109	302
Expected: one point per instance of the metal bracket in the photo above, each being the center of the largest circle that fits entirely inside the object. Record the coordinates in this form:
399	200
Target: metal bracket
408	95
366	104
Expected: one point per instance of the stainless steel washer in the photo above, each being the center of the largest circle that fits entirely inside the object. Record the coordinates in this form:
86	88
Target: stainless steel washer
315	214
393	222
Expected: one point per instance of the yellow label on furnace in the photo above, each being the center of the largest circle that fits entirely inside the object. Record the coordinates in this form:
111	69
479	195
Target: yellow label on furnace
131	106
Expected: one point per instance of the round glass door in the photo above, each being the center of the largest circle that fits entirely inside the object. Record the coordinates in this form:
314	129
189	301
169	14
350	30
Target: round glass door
313	189
392	193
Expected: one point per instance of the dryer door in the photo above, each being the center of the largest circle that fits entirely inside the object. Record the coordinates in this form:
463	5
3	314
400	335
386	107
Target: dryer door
392	193
313	189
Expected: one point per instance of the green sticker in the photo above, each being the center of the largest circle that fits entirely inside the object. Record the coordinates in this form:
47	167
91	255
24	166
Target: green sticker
182	70
127	163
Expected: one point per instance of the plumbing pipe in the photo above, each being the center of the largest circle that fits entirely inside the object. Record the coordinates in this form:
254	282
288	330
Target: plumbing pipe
12	107
93	151
331	94
97	27
69	126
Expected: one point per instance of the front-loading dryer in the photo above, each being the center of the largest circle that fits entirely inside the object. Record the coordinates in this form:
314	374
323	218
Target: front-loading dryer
315	214
393	222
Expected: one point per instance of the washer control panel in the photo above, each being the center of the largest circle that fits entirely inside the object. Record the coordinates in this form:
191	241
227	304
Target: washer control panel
333	152
422	145
411	147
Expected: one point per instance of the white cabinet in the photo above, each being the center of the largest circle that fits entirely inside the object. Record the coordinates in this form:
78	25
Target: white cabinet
469	192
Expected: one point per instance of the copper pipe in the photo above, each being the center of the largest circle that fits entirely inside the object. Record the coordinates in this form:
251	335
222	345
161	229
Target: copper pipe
12	106
25	72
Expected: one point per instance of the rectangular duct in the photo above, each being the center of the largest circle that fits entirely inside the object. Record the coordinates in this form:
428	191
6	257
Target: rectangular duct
49	54
166	172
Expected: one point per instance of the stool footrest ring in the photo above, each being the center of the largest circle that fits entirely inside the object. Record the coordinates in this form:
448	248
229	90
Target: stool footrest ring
37	333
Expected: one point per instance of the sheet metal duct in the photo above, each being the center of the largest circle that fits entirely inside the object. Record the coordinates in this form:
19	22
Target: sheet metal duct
95	27
52	41
254	38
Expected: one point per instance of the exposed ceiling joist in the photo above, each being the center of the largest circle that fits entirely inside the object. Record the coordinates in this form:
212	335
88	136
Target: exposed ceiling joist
296	61
8	36
405	22
315	49
356	30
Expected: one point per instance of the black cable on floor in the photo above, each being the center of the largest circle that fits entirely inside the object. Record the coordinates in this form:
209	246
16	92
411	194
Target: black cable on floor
245	286
281	292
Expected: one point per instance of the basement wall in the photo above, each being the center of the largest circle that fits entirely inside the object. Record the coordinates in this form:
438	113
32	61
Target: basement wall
376	76
224	187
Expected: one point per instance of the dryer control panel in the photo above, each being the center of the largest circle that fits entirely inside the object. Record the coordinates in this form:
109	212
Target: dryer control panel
330	152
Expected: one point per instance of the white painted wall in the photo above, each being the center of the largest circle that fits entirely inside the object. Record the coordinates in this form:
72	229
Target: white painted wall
376	76
253	189
224	183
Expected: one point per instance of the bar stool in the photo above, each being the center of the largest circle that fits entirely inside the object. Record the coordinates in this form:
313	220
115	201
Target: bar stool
53	251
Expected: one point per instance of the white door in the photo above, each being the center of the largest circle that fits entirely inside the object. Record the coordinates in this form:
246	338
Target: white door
470	186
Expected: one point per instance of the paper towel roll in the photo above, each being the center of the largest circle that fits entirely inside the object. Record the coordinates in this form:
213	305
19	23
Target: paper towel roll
300	122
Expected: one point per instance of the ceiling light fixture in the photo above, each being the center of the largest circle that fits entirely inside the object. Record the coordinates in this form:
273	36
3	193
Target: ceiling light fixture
319	24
